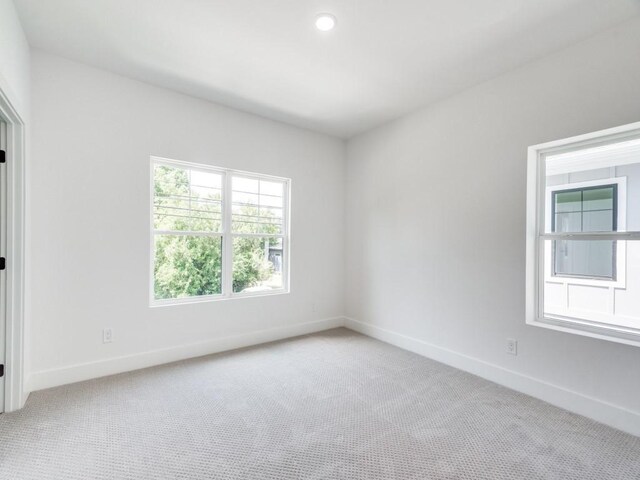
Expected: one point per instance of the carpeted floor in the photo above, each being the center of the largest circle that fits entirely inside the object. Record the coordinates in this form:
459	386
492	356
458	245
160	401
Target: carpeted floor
333	405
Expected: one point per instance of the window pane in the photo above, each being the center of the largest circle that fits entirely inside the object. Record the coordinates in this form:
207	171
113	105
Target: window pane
587	299
257	264
257	206
568	222
187	266
569	201
273	189
590	188
205	183
598	221
243	184
187	200
600	164
585	258
588	209
598	199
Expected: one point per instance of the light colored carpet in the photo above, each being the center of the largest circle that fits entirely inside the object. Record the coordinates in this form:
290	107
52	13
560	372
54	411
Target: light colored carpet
334	405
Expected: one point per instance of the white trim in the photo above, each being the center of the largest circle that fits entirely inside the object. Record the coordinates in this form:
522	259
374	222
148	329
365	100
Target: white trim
111	366
604	412
15	393
591	236
227	247
596	158
165	302
226	234
588	328
205	167
188	233
3	253
536	235
592	139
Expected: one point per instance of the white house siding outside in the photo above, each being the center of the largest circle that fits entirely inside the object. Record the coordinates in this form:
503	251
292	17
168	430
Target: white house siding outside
601	300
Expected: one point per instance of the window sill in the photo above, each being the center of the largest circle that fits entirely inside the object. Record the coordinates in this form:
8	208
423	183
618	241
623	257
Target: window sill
213	298
612	333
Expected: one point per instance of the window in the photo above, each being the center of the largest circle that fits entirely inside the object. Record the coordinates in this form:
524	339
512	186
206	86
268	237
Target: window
583	232
586	209
216	233
258	228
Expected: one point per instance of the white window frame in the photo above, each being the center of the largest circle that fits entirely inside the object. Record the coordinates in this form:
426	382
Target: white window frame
536	235
226	234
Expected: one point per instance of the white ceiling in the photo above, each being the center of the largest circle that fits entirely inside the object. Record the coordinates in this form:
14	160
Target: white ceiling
384	59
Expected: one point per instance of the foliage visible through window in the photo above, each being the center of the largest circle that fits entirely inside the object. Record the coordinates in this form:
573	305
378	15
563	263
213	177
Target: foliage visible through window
204	247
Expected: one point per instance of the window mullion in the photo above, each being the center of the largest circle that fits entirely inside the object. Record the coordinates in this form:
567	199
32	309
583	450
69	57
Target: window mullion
190	195
620	236
227	241
258	235
582	210
187	233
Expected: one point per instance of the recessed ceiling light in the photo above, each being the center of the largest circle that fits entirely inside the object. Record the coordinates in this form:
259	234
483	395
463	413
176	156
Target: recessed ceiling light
325	22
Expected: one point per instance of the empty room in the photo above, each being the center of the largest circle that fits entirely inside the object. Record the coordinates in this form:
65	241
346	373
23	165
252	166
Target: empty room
319	239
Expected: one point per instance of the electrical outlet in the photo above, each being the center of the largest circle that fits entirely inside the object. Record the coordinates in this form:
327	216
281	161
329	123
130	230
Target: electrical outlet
512	346
107	335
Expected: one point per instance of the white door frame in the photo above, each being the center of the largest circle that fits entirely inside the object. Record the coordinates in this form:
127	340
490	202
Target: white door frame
14	393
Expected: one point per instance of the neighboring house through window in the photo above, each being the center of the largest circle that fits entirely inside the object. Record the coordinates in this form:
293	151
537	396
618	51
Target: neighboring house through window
586	209
583	235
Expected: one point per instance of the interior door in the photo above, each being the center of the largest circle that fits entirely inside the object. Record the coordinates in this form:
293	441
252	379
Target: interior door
3	254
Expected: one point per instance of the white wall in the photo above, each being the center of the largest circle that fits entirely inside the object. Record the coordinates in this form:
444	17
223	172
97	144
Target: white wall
436	222
14	59
93	135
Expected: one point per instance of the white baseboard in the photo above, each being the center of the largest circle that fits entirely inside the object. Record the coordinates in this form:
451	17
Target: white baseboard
607	413
101	368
